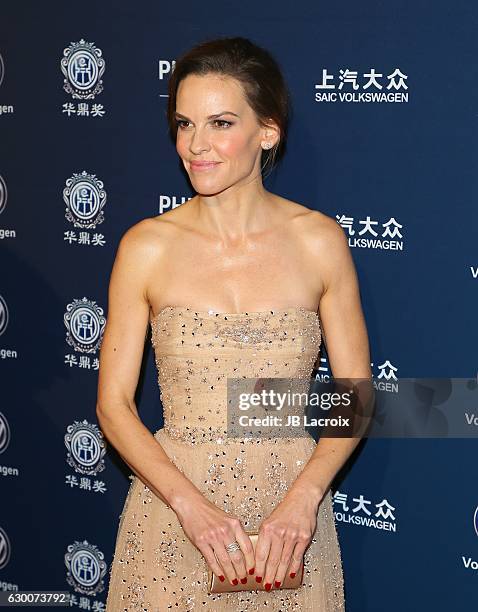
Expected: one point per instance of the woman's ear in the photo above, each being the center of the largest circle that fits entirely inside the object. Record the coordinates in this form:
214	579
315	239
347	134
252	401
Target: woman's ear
270	135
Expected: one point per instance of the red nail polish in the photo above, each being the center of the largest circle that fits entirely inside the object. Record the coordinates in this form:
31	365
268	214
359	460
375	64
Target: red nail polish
292	574
221	578
277	583
268	586
235	581
251	571
244	580
258	578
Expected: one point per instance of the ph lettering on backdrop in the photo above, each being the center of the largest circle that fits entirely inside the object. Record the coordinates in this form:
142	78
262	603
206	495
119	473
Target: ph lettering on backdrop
85	198
168	202
165	68
384	236
369	87
83	66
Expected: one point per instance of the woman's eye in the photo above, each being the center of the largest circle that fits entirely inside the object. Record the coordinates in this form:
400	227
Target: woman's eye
222	123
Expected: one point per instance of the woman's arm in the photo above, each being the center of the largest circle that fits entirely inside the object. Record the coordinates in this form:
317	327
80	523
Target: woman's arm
208	527
121	355
290	526
345	334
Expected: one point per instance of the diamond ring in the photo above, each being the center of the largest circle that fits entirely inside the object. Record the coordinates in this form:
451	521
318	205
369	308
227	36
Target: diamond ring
233	547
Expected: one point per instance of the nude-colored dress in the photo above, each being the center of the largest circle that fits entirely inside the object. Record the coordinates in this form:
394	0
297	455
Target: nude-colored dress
155	566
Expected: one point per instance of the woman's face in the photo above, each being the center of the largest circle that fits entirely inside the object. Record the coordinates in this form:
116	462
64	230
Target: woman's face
219	137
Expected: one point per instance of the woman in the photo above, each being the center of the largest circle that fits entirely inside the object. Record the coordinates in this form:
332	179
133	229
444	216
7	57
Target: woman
231	283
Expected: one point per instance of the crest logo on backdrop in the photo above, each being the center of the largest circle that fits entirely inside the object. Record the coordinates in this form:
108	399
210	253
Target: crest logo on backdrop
85	322
83	66
86	568
86	448
85	198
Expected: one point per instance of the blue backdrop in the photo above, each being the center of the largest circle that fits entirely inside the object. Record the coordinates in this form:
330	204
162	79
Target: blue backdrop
383	137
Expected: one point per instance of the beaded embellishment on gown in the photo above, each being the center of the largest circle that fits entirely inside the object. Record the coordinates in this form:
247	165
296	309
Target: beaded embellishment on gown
155	567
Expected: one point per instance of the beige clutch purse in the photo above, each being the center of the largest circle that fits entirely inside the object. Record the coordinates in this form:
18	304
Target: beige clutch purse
216	586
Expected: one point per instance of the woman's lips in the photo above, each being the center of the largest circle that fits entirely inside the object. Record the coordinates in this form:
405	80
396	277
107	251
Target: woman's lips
203	165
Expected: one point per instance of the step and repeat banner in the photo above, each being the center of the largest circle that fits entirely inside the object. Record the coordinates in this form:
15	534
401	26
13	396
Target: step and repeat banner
382	138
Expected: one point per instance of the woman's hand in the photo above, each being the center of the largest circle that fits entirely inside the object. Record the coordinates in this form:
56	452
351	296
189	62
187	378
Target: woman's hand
211	529
284	535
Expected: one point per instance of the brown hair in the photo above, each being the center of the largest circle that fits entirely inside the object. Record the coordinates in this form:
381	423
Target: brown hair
258	72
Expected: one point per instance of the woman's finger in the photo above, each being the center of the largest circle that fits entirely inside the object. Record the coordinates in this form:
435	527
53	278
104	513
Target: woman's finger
247	554
296	559
285	560
237	560
273	560
262	552
224	559
208	553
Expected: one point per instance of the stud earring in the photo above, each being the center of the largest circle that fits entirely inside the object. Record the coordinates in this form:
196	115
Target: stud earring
267	145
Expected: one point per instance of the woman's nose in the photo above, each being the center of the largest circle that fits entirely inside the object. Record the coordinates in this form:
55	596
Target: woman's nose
198	142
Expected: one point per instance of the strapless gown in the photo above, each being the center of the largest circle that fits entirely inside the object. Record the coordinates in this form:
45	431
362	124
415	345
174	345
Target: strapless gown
155	567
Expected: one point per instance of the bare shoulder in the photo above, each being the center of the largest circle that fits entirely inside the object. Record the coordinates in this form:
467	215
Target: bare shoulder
148	237
139	234
324	232
325	244
317	229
